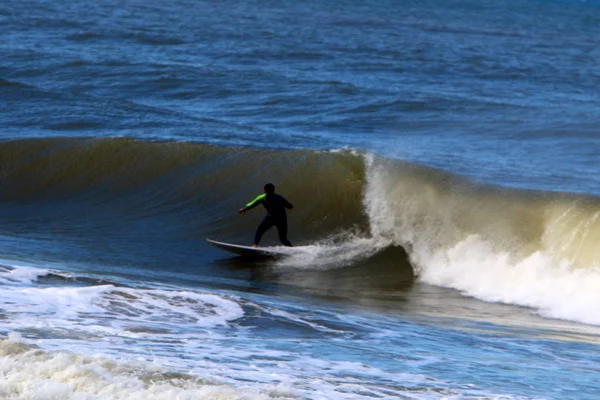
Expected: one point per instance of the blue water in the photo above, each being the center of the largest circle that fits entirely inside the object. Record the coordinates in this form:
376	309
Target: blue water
442	157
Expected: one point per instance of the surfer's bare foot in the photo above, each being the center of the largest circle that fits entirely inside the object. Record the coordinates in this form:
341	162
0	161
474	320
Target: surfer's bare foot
255	245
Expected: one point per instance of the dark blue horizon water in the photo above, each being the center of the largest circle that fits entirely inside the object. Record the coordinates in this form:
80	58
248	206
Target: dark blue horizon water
498	90
411	282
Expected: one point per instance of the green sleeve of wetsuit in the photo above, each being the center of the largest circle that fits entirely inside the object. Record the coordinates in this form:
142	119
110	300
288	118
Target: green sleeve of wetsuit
255	202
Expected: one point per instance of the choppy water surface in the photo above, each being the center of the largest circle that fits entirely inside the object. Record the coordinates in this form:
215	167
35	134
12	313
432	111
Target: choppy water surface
442	158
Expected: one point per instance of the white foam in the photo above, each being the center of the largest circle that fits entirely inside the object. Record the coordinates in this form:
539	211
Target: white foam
20	275
31	373
332	253
199	309
555	289
203	365
112	310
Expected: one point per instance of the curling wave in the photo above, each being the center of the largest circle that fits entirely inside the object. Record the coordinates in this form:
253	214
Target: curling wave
499	244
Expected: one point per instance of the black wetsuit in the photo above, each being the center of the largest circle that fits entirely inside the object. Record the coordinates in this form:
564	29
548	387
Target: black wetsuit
276	216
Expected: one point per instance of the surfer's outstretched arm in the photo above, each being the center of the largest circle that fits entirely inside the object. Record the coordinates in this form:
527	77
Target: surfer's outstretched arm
258	200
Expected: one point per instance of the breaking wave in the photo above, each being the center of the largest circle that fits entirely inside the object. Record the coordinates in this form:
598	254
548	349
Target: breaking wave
532	248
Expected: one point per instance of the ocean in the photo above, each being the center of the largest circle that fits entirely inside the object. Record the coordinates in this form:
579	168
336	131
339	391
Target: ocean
442	157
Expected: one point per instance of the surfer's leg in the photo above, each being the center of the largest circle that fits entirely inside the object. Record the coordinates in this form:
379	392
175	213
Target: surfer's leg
282	230
266	224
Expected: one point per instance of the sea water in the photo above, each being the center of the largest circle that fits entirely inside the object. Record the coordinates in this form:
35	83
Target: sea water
442	158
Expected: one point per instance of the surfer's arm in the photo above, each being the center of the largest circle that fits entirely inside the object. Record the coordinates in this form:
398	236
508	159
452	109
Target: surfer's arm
286	203
259	199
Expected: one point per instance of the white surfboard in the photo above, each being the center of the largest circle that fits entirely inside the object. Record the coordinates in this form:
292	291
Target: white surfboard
250	251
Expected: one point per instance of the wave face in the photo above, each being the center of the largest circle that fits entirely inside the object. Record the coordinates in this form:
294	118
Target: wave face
120	196
199	186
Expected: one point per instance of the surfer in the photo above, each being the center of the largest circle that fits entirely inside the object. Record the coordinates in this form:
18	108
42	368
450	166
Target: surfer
276	215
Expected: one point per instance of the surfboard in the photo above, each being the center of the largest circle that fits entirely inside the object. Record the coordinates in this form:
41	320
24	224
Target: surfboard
249	251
